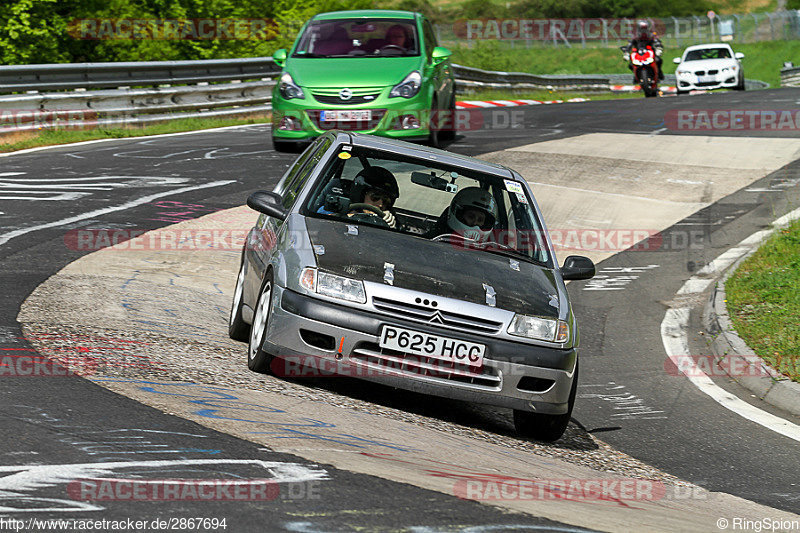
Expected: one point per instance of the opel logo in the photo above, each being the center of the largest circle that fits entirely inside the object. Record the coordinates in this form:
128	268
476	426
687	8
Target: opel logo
345	94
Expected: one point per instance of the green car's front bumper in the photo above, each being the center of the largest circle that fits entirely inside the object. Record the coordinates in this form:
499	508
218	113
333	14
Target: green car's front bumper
299	119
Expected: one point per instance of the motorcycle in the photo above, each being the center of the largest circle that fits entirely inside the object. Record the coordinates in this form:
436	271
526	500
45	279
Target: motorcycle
645	68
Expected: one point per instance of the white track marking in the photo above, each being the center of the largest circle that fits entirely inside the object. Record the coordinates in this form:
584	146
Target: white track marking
135	139
675	325
5	237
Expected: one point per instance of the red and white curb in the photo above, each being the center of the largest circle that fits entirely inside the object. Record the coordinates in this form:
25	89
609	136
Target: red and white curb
632	88
473	104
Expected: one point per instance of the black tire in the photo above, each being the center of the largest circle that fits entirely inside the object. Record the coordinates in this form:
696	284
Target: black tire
646	83
257	359
284	146
238	329
740	86
449	130
434	139
546	428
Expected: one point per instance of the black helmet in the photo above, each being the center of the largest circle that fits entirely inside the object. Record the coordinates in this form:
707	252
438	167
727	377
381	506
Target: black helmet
643	27
377	178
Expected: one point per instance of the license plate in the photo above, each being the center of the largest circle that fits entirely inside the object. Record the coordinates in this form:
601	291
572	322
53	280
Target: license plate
434	346
350	115
706	79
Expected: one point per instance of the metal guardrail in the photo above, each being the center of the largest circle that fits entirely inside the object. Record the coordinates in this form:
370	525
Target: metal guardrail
790	77
111	94
62	76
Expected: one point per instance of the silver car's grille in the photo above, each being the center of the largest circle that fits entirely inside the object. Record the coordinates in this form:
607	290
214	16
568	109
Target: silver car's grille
394	363
435	317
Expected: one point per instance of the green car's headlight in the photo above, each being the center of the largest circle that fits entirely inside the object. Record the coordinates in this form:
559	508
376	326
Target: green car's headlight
288	88
534	327
334	286
409	87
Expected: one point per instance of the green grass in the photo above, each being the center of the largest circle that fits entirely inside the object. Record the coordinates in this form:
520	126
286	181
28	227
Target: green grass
20	141
764	301
763	61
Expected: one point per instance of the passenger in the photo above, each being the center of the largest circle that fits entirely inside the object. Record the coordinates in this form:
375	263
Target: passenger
472	214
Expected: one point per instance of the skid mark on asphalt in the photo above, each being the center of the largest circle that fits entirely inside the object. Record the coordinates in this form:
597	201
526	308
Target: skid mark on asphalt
627	405
224	404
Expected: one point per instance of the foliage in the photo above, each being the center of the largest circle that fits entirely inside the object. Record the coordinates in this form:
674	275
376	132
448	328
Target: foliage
46	31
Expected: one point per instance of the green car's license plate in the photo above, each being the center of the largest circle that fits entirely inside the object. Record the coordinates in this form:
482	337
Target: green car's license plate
339	116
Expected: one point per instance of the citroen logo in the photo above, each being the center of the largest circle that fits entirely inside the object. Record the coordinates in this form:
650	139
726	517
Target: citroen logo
436	318
345	94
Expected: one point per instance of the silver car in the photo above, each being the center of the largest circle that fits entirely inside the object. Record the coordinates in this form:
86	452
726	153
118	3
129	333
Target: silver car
413	267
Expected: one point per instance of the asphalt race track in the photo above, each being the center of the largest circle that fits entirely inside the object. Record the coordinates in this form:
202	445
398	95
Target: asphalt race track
152	183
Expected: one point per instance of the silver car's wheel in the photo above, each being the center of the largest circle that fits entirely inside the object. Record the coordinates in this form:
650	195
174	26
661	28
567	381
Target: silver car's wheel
237	327
257	359
547	428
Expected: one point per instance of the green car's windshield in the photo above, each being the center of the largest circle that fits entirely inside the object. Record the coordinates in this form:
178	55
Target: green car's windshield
452	205
359	38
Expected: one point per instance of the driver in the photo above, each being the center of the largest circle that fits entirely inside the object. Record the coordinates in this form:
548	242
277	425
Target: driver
377	187
472	214
397	36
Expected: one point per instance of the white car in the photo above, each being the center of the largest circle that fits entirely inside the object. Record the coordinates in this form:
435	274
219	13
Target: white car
709	66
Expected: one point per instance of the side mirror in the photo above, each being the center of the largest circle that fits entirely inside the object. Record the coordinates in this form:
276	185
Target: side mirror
280	57
676	60
577	267
440	54
269	203
738	55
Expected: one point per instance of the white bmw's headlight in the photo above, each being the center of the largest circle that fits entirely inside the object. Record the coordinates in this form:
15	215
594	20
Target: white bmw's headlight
409	87
534	327
681	72
332	285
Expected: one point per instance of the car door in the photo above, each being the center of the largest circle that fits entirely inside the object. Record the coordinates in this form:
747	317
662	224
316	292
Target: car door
263	241
440	75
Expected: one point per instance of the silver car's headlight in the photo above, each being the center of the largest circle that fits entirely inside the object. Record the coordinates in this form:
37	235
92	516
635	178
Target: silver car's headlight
534	327
332	285
288	88
409	87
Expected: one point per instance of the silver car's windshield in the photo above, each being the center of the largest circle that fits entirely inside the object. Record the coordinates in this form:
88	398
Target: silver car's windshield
359	38
429	199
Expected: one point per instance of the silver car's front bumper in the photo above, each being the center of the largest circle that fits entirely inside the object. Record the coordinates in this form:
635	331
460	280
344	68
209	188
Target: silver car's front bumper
302	328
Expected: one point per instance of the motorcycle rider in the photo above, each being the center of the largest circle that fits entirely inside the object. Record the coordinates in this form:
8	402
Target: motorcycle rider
644	37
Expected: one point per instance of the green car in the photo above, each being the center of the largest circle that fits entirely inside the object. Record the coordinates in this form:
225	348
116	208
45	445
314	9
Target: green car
372	71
